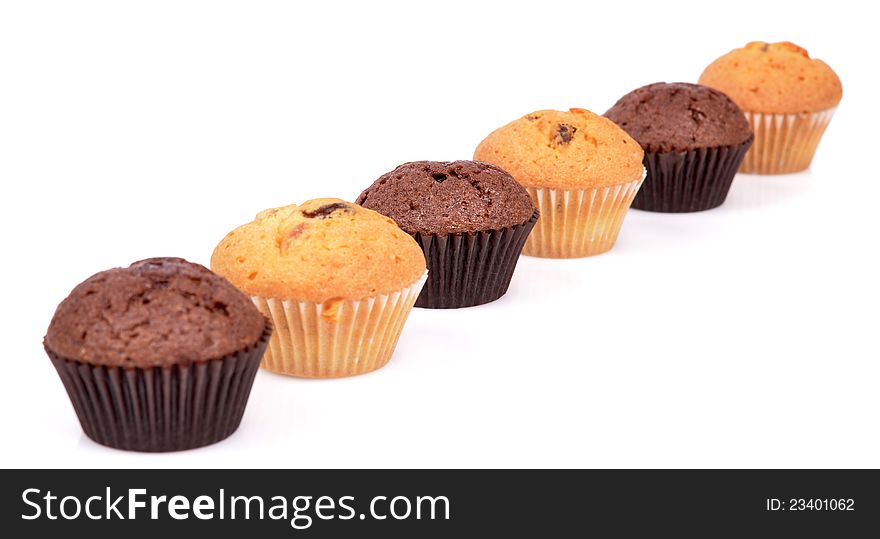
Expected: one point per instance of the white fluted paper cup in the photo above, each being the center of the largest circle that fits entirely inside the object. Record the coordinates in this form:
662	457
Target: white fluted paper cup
577	223
335	338
784	143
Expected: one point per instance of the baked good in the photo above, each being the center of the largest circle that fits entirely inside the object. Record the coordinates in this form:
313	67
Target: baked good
471	220
694	139
337	280
788	98
158	356
581	170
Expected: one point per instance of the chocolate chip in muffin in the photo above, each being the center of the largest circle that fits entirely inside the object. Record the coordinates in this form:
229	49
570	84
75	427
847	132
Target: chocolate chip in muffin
564	134
325	211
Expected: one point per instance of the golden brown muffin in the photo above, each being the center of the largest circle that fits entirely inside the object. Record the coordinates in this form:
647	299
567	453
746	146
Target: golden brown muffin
582	172
337	281
787	97
564	150
774	78
323	249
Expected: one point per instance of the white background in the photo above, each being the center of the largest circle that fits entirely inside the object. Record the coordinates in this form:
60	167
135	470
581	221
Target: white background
740	337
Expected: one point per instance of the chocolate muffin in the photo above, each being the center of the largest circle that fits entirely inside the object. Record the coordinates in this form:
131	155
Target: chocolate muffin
694	139
159	356
470	218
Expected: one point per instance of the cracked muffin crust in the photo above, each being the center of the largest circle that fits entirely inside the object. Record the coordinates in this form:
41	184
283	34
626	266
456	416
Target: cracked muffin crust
675	117
576	149
432	197
324	249
774	78
155	313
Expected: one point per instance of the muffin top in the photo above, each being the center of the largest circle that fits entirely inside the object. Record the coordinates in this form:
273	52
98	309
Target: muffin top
774	78
679	116
321	250
565	150
157	312
432	197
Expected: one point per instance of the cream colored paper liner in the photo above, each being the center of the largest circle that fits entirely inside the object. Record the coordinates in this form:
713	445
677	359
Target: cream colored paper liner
335	338
784	143
579	223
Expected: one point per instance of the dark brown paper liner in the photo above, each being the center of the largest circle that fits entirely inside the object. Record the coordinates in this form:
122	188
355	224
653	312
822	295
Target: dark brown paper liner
471	269
162	408
689	181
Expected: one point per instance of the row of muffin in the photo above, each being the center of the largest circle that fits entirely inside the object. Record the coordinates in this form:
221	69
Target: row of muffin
162	355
